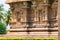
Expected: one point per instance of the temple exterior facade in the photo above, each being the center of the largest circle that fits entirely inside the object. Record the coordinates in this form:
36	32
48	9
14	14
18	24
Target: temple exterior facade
34	18
36	15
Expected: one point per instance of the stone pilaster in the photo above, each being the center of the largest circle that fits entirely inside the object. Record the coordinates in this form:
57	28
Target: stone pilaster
29	14
59	19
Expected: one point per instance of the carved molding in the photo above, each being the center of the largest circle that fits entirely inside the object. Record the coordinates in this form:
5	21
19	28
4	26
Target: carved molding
19	12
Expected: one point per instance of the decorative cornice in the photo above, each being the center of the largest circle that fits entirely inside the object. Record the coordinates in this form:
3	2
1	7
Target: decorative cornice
12	1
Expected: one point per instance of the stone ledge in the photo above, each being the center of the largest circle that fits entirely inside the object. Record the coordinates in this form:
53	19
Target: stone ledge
33	29
12	1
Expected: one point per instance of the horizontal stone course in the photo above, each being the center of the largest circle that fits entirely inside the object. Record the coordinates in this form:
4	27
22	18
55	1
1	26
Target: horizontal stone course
30	34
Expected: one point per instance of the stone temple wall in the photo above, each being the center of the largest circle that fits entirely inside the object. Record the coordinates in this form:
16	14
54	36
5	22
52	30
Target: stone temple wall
39	14
33	19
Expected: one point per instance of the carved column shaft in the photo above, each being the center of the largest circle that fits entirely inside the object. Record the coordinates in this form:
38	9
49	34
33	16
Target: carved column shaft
50	14
29	14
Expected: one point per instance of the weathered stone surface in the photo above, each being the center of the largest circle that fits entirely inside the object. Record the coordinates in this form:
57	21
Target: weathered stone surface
38	15
30	35
59	19
12	1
